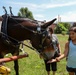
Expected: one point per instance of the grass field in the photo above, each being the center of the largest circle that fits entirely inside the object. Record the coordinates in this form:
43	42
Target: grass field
33	65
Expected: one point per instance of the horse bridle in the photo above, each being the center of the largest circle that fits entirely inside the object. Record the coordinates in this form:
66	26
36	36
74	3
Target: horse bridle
38	31
44	34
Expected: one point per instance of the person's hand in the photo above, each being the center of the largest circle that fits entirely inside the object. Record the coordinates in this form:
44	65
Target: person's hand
52	60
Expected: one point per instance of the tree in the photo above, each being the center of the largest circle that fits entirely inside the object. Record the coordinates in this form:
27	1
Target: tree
24	12
62	27
66	25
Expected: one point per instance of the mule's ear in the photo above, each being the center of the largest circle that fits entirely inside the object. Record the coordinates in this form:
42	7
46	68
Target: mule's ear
45	25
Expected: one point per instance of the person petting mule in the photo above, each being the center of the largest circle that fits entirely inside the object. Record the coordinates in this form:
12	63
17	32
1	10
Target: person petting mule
51	52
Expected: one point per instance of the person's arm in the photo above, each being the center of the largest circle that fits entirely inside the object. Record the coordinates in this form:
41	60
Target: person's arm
58	45
65	53
59	48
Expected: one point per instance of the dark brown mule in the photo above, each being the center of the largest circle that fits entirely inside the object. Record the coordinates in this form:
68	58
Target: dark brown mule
20	29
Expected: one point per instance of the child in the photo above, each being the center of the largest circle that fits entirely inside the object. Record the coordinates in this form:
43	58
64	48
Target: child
50	53
69	52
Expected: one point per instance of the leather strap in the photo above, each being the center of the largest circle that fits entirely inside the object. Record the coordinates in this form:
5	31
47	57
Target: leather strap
0	25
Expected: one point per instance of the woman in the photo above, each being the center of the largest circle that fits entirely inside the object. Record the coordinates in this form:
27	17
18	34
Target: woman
51	52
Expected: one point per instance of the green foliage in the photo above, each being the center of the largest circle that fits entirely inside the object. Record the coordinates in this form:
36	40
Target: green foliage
25	12
66	25
62	27
63	33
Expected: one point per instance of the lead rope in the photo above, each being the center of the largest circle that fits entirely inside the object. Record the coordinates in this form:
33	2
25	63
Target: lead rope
23	26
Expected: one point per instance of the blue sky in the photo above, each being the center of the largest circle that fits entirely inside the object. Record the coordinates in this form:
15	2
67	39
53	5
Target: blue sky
43	9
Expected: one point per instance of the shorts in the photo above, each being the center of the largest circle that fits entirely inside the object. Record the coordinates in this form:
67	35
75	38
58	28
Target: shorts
53	66
69	69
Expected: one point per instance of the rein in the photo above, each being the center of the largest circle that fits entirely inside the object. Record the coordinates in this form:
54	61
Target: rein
19	42
23	26
38	31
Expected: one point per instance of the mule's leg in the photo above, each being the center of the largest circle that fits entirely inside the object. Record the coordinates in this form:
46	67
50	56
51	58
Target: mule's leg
16	67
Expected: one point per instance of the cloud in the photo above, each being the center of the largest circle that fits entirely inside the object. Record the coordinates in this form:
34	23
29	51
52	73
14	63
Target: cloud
60	5
38	9
68	17
43	6
39	16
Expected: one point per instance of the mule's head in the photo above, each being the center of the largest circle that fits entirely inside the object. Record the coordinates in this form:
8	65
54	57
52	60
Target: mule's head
43	38
22	29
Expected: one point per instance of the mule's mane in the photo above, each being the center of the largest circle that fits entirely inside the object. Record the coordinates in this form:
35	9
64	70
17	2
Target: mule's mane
18	18
21	21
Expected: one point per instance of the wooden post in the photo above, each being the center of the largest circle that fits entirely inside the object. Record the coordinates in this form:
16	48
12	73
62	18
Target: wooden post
13	58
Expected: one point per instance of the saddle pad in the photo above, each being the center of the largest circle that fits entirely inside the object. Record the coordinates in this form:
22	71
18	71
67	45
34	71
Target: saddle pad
0	25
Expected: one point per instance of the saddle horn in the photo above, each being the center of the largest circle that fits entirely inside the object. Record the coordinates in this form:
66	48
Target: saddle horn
10	10
5	10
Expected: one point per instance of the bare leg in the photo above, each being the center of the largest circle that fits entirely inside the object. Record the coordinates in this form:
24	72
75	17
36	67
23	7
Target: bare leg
71	73
54	72
48	72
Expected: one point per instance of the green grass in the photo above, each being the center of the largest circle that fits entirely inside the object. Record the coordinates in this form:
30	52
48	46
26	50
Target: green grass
33	65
